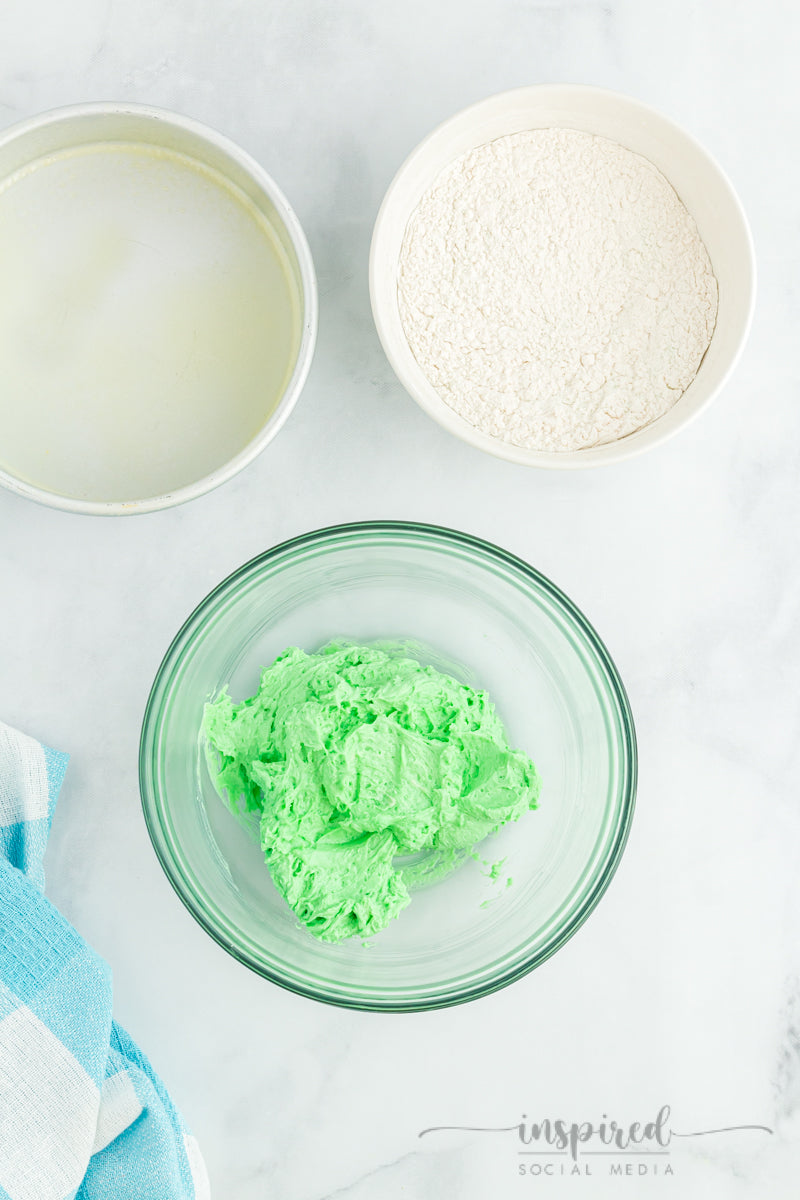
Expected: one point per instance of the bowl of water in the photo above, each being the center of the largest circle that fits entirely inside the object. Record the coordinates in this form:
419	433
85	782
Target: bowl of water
158	311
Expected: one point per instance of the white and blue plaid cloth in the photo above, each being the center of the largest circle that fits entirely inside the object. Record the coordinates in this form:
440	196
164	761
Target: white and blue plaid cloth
82	1114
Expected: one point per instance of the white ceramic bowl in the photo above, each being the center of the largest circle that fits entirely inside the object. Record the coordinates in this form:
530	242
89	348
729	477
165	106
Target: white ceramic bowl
216	430
699	182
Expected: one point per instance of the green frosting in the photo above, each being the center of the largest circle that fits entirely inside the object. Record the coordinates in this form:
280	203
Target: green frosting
353	758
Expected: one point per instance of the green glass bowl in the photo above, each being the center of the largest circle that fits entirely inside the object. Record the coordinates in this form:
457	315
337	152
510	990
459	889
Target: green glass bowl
466	607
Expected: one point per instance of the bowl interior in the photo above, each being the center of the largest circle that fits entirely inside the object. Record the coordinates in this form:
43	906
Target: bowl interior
163	313
695	176
467	609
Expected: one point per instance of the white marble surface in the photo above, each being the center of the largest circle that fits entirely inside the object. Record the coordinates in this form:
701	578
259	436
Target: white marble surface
684	985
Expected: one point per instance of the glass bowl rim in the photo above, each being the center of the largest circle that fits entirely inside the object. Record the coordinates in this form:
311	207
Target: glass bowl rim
623	807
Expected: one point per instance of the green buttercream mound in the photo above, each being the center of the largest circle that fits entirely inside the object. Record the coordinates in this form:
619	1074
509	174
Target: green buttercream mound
353	757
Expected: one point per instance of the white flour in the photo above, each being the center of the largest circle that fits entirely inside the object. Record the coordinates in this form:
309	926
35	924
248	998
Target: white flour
555	291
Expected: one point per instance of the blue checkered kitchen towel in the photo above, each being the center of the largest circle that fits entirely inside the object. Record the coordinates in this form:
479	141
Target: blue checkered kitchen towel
82	1113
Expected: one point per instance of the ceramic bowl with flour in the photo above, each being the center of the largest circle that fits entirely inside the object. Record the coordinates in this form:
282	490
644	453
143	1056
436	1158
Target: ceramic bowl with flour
158	309
561	277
